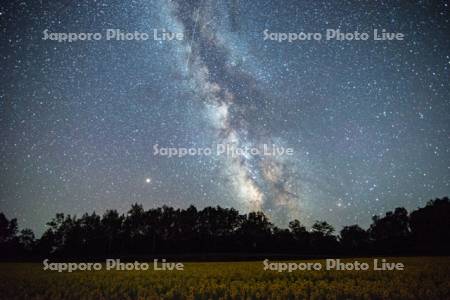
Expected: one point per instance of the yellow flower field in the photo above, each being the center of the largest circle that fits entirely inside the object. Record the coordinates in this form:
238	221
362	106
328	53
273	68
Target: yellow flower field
423	278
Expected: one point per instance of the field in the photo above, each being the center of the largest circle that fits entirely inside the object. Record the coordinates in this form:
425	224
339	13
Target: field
423	278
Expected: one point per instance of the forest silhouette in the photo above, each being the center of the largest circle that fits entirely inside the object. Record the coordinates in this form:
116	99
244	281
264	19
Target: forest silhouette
169	231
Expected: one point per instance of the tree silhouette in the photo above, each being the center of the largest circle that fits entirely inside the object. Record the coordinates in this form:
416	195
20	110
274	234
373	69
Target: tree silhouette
300	235
430	227
322	238
112	227
354	239
391	233
166	230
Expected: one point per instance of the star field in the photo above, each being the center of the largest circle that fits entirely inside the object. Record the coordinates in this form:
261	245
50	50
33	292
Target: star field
368	120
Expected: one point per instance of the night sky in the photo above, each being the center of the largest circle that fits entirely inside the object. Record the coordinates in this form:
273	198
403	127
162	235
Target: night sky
368	121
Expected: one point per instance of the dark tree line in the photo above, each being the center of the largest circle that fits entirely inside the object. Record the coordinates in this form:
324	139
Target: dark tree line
167	230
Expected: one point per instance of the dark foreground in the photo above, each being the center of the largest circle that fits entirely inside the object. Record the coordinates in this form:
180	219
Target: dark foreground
423	278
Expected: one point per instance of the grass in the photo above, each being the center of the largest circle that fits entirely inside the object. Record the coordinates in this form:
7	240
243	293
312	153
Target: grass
423	278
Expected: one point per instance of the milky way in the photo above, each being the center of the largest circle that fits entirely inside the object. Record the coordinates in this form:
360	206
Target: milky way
368	121
261	183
